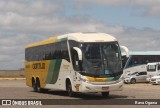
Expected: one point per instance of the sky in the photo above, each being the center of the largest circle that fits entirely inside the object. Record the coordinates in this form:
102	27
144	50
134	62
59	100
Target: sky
135	23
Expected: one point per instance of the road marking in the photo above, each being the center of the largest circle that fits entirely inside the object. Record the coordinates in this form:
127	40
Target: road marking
12	78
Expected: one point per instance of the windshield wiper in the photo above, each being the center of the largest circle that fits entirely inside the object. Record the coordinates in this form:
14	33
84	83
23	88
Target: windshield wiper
87	74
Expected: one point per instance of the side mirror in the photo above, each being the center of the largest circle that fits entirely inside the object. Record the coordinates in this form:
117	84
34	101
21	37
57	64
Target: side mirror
126	50
79	53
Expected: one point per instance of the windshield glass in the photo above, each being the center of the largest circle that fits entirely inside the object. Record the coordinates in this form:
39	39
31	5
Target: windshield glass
132	73
151	68
101	59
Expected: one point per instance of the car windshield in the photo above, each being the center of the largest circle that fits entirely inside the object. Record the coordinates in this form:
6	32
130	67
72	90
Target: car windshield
151	68
101	59
132	73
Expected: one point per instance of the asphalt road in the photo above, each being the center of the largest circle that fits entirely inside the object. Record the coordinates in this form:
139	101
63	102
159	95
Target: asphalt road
16	89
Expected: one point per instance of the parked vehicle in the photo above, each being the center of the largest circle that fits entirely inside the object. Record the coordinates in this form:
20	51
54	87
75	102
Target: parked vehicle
153	69
132	73
136	77
155	80
137	60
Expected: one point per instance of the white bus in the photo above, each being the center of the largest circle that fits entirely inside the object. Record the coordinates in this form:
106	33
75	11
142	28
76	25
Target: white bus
137	61
153	69
76	62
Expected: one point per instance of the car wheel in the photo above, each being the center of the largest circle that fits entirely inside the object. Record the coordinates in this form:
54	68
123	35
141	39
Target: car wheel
133	81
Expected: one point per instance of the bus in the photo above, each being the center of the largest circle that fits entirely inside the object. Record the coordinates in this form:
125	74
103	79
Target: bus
137	61
75	62
153	69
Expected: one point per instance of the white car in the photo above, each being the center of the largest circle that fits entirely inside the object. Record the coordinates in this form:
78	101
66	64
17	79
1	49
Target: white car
148	79
136	77
155	80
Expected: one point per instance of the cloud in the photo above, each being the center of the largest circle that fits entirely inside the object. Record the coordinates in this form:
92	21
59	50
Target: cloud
140	40
12	46
153	11
118	3
14	22
151	7
30	7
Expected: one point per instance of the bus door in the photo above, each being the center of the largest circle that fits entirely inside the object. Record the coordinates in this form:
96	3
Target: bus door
158	69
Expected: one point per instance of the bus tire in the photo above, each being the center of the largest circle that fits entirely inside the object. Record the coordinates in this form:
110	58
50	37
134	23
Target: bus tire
69	89
105	94
133	81
34	85
38	87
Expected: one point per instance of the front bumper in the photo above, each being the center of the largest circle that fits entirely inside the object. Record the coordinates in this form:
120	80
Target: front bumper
89	87
127	80
155	81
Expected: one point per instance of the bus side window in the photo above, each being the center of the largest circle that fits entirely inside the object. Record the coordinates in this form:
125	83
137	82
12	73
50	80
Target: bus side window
75	61
134	61
159	67
64	51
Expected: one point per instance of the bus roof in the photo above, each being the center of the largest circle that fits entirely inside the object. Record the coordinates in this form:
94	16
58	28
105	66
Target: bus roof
143	53
80	37
154	63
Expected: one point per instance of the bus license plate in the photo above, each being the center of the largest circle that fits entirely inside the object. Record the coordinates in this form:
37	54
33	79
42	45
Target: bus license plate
105	88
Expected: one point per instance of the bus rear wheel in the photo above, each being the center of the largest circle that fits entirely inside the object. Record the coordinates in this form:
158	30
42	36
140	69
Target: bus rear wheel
38	87
34	86
105	94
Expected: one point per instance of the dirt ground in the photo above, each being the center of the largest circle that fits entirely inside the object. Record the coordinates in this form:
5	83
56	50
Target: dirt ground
17	89
12	74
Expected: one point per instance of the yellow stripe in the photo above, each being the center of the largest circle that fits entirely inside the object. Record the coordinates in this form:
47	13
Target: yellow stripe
48	41
96	79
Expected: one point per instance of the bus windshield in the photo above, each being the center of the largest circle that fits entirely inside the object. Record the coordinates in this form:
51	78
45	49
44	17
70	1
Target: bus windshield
151	68
101	59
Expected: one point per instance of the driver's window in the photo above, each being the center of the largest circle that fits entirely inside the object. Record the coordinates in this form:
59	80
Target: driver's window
141	73
75	61
159	67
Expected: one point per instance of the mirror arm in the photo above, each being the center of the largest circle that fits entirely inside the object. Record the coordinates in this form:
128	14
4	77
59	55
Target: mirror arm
79	52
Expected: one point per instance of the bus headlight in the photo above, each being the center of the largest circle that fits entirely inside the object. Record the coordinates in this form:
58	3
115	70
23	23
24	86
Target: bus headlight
82	79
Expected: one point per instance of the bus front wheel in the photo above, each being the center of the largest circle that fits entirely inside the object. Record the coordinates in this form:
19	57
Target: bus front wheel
69	89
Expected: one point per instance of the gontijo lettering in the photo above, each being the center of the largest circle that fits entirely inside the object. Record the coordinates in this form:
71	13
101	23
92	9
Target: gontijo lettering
38	66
